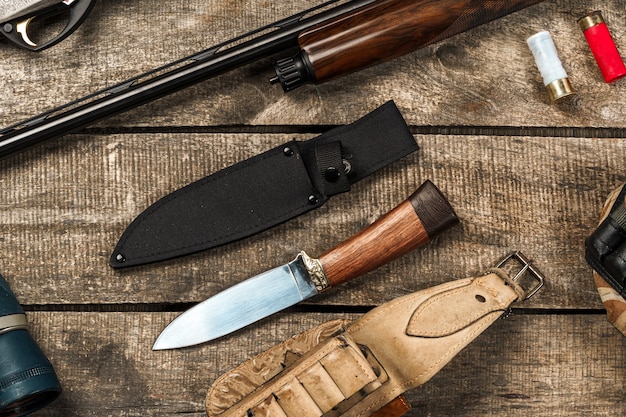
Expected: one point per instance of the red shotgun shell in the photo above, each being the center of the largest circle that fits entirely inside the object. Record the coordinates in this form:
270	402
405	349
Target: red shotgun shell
602	46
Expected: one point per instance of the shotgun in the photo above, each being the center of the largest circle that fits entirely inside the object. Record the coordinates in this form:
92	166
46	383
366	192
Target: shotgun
332	39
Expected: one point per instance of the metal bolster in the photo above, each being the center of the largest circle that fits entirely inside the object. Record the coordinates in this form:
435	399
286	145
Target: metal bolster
13	322
316	271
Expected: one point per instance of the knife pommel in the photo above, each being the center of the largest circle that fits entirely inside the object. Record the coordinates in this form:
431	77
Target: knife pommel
433	209
411	224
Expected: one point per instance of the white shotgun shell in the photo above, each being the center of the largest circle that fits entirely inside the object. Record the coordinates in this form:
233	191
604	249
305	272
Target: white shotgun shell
547	59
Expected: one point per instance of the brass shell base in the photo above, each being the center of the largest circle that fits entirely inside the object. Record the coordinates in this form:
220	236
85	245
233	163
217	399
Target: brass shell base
559	89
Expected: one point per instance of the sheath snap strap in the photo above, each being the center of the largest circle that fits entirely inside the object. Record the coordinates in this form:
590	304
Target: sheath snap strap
332	171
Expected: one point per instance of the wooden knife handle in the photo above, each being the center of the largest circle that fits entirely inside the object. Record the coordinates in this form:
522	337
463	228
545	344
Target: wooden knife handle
411	224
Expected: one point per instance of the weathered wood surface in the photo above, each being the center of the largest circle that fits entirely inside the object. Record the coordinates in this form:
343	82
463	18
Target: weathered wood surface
544	365
521	174
65	207
483	77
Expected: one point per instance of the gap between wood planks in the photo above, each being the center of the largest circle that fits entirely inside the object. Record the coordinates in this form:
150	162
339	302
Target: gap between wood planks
300	308
531	131
573	132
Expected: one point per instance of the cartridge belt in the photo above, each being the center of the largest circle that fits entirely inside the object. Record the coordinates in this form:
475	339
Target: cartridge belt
353	369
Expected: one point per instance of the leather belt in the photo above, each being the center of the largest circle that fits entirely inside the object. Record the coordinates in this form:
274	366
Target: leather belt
363	368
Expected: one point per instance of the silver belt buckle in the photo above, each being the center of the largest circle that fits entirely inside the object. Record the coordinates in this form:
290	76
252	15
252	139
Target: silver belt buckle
536	277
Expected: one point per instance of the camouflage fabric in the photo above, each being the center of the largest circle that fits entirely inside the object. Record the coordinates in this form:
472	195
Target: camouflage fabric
613	302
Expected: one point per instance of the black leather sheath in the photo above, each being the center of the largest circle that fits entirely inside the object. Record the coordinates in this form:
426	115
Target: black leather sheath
265	190
605	249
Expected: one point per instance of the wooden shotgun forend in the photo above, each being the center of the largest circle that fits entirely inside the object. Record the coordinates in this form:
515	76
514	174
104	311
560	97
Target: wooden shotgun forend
382	31
377	33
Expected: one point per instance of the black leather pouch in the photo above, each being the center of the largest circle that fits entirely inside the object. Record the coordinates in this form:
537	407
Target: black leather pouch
605	248
265	190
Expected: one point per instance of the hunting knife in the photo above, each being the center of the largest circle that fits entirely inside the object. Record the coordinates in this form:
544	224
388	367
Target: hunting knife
411	224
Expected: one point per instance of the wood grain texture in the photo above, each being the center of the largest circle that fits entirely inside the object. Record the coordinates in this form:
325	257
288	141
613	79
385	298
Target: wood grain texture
516	368
384	31
521	174
411	224
390	236
380	32
484	77
542	196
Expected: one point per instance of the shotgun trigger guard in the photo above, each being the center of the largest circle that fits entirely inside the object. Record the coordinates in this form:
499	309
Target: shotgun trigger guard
17	30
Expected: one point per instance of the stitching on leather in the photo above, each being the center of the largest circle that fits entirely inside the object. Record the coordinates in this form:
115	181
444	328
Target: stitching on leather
325	350
451	352
504	276
436	298
479	328
358	363
267	353
364	371
363	320
469	319
218	385
219	380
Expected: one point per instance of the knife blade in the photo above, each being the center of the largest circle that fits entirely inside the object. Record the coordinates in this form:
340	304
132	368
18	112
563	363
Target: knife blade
411	224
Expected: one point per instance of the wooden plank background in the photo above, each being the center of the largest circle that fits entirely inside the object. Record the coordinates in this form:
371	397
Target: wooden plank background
520	172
